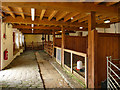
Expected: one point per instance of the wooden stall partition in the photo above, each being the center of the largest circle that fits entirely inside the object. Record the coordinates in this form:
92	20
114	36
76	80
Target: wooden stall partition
107	45
58	42
48	47
76	43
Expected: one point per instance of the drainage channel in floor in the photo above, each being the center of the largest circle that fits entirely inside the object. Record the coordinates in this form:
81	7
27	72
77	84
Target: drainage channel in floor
40	73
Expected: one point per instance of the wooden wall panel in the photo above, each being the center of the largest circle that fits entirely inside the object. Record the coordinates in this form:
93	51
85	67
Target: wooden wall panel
58	42
108	45
76	43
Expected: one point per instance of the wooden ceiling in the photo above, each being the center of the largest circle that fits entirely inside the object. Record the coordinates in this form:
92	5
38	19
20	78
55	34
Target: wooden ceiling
51	15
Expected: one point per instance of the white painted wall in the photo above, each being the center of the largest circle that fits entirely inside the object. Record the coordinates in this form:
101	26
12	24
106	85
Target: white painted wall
7	44
112	29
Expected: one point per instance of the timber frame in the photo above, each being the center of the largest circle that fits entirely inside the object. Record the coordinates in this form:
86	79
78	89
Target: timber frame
53	17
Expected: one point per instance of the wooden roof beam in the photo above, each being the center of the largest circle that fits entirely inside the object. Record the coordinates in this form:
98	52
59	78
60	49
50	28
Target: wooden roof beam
22	14
78	17
110	3
28	20
70	15
35	31
52	15
49	28
9	11
68	6
42	13
61	16
98	2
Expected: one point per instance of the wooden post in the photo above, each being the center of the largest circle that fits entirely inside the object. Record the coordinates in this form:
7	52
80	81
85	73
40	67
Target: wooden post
45	42
92	51
0	44
53	42
48	37
62	46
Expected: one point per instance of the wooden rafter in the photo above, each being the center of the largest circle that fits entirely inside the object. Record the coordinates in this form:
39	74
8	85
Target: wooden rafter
25	31
110	3
70	15
83	19
1	13
42	13
9	11
98	2
61	16
78	17
48	28
22	14
52	15
28	20
68	7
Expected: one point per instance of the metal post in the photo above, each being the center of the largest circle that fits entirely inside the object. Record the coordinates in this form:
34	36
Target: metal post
71	63
107	71
110	63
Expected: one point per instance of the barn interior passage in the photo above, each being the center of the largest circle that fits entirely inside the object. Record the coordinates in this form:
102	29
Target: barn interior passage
60	44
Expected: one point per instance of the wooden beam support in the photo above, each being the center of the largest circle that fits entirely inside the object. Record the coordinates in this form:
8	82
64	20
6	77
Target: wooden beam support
53	42
70	15
21	12
62	46
78	17
67	6
28	20
110	3
61	16
48	37
9	11
42	13
49	28
35	31
91	51
52	15
45	37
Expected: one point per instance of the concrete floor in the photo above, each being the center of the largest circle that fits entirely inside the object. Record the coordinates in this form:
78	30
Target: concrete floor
23	72
52	79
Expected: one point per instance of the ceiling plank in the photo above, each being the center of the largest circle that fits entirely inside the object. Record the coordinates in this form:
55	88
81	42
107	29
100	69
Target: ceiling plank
70	15
52	15
61	15
9	11
21	12
42	13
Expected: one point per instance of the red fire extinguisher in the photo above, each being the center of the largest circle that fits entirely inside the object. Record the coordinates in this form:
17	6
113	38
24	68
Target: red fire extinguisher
6	54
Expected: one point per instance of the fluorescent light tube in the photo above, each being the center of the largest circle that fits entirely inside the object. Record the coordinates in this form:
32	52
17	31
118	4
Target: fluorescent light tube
33	14
32	30
32	25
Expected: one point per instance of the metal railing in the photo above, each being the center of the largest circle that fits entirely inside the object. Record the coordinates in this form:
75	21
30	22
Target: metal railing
113	73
